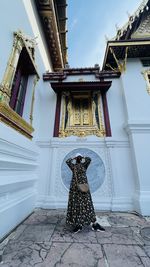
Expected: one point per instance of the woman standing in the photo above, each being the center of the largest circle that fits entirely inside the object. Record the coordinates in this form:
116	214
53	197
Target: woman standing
80	206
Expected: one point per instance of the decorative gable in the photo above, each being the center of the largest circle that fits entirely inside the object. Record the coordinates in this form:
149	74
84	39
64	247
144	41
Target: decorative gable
143	31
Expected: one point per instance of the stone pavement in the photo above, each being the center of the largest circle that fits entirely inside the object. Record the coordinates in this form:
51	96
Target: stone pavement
42	240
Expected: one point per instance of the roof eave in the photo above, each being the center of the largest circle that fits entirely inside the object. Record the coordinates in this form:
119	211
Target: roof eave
49	22
118	45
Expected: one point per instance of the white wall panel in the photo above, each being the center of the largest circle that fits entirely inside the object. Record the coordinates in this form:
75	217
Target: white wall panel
18	178
115	193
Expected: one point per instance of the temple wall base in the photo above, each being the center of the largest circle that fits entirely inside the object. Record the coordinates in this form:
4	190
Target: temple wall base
111	180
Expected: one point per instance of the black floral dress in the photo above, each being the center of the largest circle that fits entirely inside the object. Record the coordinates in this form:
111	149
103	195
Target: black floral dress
80	210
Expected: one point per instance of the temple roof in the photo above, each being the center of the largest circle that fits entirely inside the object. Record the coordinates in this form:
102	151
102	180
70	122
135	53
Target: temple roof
130	28
53	18
132	40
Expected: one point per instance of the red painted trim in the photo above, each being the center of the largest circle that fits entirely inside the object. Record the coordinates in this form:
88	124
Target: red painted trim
60	76
103	86
57	115
106	115
23	97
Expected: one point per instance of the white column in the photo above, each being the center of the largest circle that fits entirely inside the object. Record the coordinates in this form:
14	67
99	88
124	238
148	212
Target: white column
137	102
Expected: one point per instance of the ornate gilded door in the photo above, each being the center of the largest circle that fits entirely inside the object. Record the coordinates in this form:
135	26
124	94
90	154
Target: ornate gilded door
82	111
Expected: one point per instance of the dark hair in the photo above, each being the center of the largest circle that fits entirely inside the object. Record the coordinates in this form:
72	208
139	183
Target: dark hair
79	158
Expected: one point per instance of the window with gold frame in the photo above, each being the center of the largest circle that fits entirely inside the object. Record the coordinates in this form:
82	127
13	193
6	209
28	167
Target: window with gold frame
7	114
81	114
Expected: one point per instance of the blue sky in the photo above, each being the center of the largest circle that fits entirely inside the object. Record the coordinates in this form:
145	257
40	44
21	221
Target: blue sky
88	23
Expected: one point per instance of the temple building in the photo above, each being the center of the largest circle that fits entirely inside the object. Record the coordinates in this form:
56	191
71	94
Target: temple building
50	111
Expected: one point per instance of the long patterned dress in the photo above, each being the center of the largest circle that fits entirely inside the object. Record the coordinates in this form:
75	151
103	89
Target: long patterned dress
80	210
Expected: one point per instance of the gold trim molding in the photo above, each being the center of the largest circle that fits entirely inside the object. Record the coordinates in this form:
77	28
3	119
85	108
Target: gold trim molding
146	73
20	41
7	115
11	118
70	127
82	132
33	98
121	65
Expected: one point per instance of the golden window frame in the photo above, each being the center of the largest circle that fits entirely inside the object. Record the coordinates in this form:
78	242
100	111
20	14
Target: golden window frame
92	127
8	115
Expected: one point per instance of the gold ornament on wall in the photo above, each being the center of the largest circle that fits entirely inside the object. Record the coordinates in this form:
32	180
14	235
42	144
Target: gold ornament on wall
146	74
121	64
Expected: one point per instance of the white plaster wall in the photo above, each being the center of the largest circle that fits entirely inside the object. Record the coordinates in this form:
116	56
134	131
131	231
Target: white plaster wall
27	21
118	190
115	193
18	178
35	25
82	77
19	155
135	95
123	175
117	111
46	111
137	125
8	26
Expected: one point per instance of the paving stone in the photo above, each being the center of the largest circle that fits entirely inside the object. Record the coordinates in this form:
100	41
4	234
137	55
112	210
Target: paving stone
18	231
42	219
103	220
144	239
125	220
74	254
63	234
145	261
57	212
37	233
4	243
147	250
136	230
43	240
125	256
116	235
21	254
62	221
145	233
